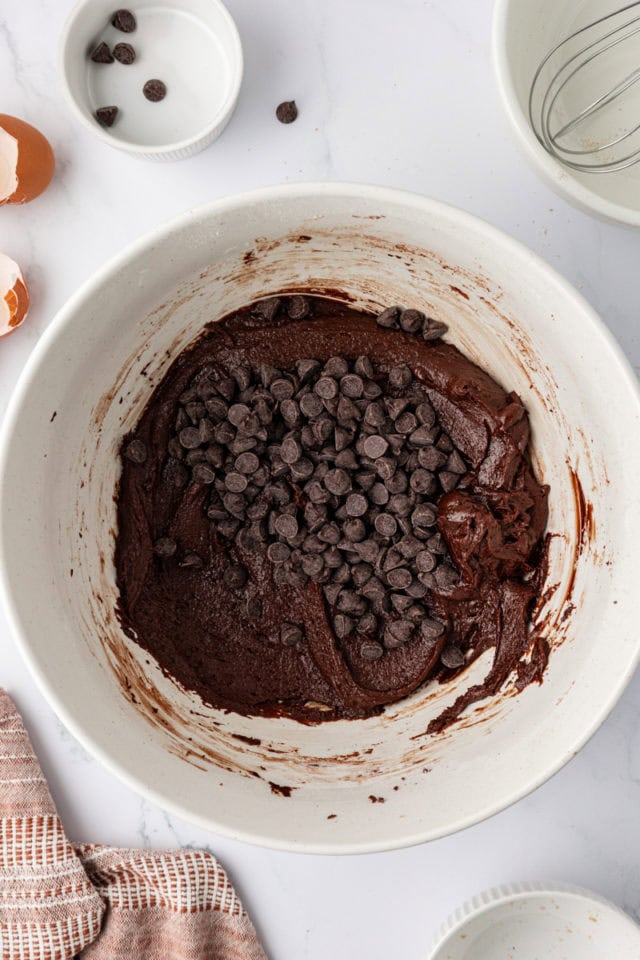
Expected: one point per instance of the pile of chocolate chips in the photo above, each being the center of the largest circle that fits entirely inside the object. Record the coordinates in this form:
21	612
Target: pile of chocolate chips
335	469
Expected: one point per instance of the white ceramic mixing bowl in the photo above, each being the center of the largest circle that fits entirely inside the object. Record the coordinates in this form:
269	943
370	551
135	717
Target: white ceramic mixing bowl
86	385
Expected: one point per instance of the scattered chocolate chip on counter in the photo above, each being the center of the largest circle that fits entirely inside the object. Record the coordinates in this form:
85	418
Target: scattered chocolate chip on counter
106	116
102	54
154	90
124	53
287	111
124	21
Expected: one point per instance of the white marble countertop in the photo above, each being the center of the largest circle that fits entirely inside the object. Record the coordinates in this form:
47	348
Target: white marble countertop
400	94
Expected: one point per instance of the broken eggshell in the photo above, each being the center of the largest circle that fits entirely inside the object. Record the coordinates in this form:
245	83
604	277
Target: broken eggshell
26	161
14	296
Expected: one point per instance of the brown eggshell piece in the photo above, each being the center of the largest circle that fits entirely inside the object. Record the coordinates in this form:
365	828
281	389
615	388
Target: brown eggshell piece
14	296
27	162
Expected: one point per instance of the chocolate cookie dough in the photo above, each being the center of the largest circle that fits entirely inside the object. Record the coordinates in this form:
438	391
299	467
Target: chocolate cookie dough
321	510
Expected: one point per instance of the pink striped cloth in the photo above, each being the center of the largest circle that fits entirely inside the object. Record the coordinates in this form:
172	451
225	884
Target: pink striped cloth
59	901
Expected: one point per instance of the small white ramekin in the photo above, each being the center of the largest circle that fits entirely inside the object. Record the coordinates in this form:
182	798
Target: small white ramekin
193	46
529	920
524	32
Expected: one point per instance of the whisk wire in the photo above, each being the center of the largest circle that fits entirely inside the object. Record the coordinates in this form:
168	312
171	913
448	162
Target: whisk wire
586	55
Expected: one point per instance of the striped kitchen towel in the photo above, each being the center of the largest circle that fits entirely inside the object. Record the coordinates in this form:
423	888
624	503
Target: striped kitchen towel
58	901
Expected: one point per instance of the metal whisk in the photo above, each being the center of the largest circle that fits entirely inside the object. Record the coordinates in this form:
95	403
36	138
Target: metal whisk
568	73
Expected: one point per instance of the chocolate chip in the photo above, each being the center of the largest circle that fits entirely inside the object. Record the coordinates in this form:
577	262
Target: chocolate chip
337	482
102	54
287	111
400	504
455	463
431	458
401	603
444	443
331	592
290	412
347	460
446	577
290	450
425	561
363	367
347	412
286	526
124	53
399	578
352	386
452	657
379	495
342	625
124	20
235	504
313	565
236	482
398	483
385	468
356	505
349	602
397	633
313	544
106	116
282	389
406	423
203	473
307	369
354	530
329	533
302	469
389	318
154	90
416	589
434	329
386	525
268	309
422	481
367	550
342	574
165	547
374	415
189	438
278	552
411	321
290	634
372	390
375	446
423	516
135	451
317	493
400	377
448	480
431	629
247	463
422	437
326	388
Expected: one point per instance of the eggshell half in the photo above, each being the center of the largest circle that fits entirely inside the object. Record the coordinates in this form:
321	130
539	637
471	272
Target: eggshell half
27	162
14	296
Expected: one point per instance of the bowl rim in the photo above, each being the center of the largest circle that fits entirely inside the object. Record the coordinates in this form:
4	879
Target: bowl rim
557	176
163	150
491	899
238	203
